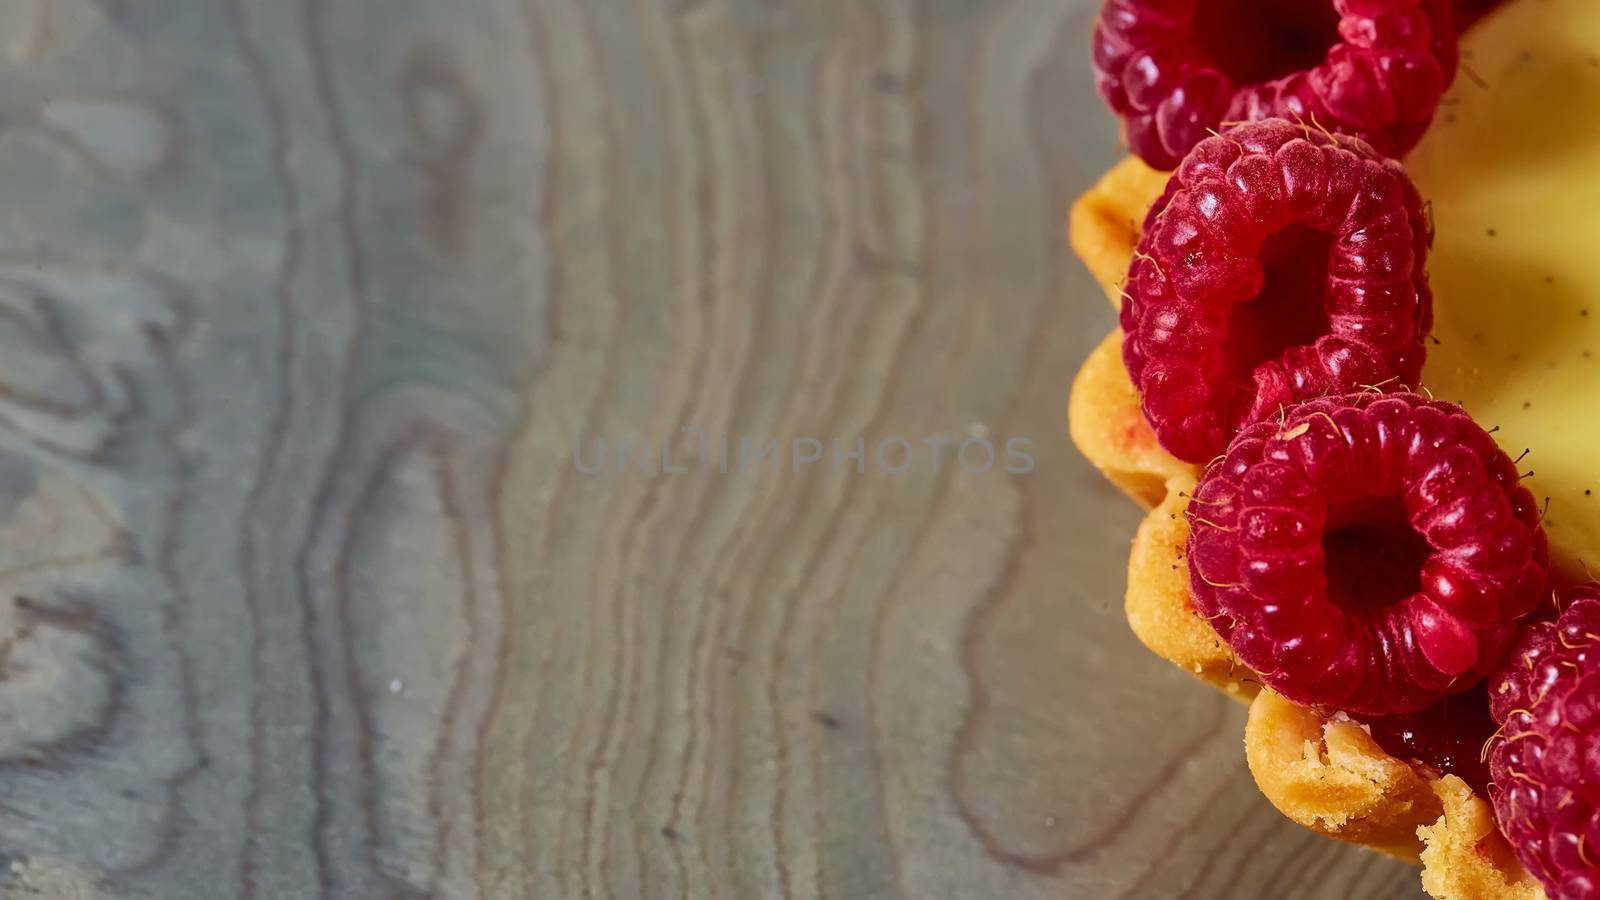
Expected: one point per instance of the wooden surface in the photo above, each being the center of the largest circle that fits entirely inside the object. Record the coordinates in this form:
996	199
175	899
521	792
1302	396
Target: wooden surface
304	305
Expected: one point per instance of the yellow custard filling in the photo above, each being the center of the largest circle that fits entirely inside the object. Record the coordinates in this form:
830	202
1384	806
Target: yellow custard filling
1511	169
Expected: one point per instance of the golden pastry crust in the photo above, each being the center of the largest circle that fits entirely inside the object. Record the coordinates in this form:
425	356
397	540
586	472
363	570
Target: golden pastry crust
1466	857
1326	774
1157	603
1105	221
1332	777
1110	430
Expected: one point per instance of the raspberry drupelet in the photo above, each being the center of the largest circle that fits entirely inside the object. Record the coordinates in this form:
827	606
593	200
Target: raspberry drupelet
1368	553
1176	69
1545	761
1280	264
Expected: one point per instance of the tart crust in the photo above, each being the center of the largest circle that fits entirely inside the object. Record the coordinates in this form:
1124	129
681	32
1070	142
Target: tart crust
1110	430
1466	857
1105	221
1329	775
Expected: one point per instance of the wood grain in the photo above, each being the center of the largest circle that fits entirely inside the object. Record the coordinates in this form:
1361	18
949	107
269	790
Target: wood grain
306	306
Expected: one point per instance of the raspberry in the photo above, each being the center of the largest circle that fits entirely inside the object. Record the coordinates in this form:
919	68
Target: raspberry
1447	737
1545	762
1176	69
1280	264
1369	553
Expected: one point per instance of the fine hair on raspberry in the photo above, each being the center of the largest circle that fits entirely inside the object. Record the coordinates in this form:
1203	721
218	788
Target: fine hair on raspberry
1545	760
1280	264
1368	553
1174	70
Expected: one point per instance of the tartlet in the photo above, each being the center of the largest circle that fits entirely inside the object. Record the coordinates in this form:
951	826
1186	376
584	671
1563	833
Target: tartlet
1512	175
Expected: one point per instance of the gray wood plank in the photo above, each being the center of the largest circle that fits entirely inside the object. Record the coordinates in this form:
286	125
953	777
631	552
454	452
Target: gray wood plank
304	306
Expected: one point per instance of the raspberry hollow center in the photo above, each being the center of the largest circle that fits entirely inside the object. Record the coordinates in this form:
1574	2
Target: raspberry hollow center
1255	41
1281	264
1289	310
1372	557
1396	492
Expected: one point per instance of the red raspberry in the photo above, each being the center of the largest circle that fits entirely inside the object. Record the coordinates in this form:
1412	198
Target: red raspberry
1545	762
1447	737
1280	264
1369	553
1176	69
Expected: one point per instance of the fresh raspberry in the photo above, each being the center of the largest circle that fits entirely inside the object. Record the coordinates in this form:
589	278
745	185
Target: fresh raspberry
1368	553
1447	737
1176	69
1280	264
1545	762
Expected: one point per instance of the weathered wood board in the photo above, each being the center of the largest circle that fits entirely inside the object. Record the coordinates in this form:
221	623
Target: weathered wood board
304	308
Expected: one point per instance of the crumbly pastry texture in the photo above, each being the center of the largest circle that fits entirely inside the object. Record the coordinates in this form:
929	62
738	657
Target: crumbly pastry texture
1330	776
1465	857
